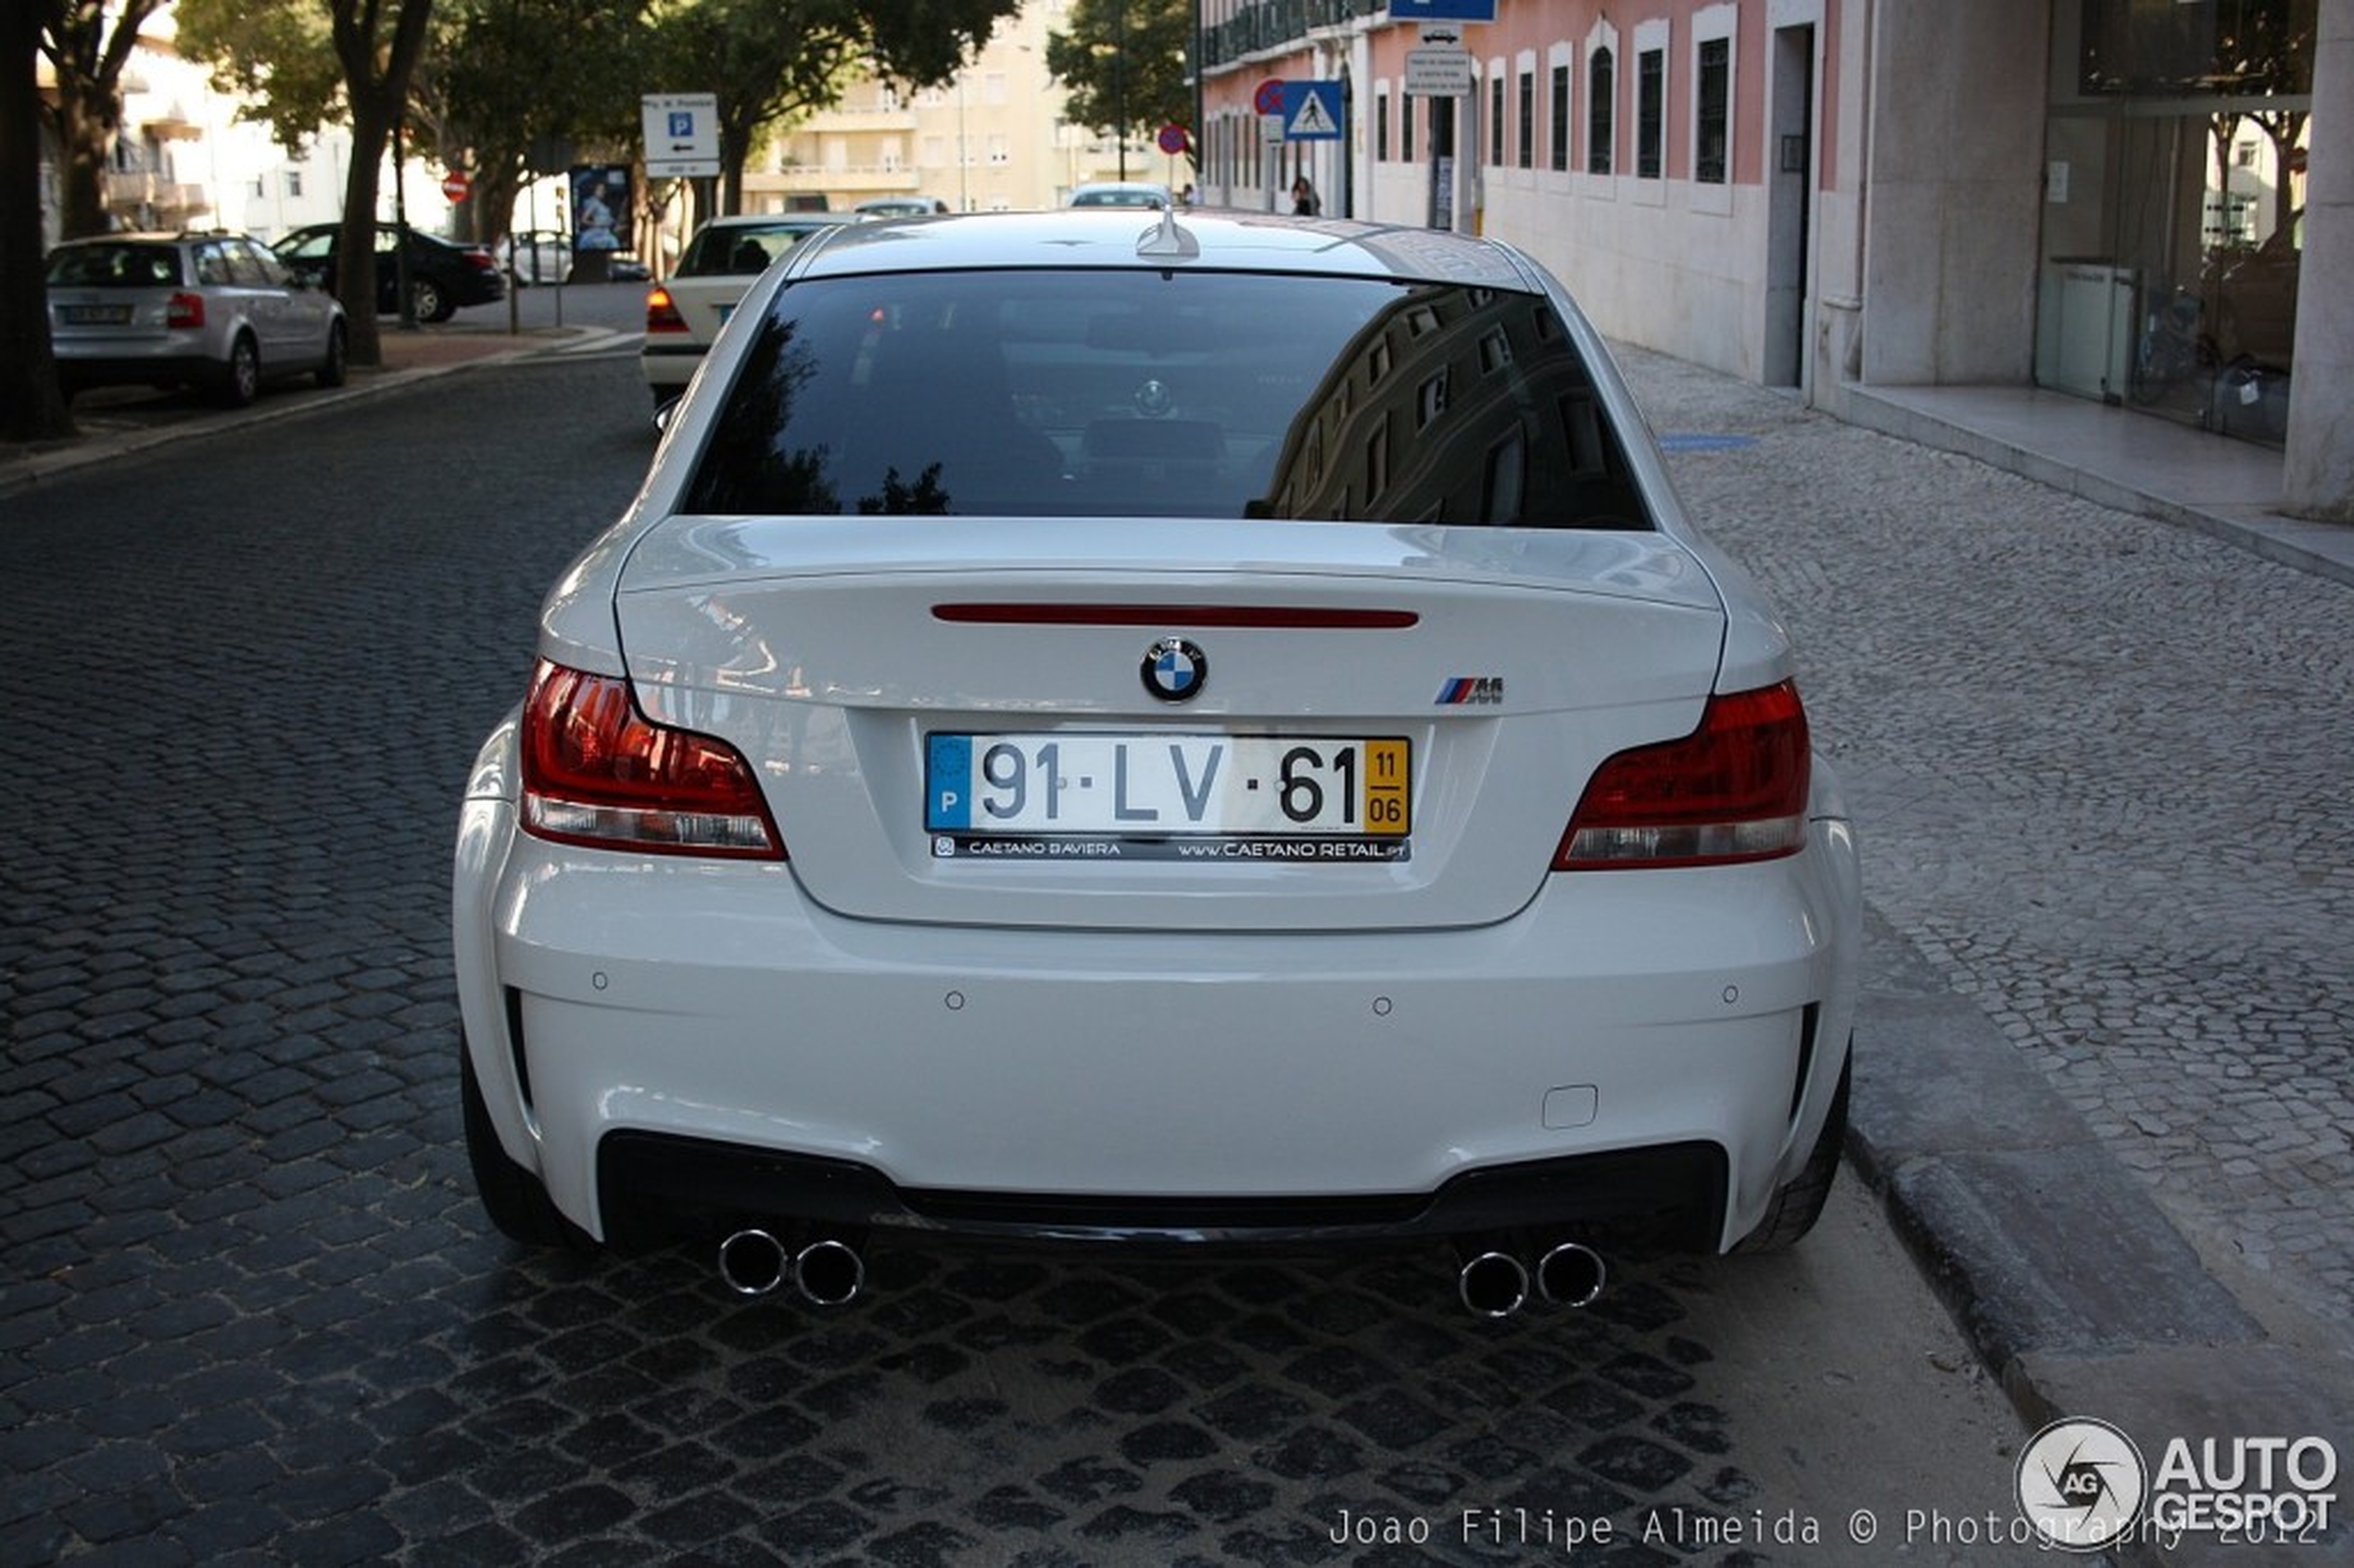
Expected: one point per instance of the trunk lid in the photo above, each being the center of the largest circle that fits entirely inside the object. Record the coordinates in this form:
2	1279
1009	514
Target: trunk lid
844	657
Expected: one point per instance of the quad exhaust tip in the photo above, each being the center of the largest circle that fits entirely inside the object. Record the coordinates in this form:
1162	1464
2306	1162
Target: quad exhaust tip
1572	1274
1494	1284
828	1273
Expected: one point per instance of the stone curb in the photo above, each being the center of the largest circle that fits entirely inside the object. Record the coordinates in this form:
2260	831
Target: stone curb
2077	1294
24	467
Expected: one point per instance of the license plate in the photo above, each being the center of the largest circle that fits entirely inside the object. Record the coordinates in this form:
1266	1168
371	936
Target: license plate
97	315
1161	796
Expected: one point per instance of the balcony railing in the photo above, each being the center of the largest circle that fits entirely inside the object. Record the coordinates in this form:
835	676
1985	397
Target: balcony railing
1275	24
145	197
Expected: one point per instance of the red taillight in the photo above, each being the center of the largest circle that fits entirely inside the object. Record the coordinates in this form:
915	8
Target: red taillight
661	311
596	772
1733	789
185	311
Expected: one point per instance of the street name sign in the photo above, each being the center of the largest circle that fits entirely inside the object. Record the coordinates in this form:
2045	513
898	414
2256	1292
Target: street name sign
1442	10
1441	73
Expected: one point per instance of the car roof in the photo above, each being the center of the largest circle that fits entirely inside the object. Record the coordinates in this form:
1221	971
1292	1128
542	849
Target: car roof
1112	236
773	221
154	236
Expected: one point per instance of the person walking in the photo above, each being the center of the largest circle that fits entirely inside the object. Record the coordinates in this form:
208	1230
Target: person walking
1303	197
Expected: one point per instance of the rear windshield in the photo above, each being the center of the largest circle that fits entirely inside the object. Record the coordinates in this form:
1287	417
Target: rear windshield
116	266
1152	393
738	248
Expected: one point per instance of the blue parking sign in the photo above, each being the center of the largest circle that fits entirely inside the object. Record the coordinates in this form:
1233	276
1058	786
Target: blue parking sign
682	122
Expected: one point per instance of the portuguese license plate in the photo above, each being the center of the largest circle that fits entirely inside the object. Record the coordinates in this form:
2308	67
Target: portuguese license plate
97	315
1162	796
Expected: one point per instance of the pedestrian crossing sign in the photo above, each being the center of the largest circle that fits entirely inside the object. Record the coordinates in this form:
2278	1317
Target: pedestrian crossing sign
1312	111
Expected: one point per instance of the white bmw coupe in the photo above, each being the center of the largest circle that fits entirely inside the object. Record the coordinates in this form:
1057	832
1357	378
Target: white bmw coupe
1157	728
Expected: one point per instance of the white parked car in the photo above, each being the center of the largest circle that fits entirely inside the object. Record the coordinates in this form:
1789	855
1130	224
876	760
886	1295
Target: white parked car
685	312
1121	193
1213	735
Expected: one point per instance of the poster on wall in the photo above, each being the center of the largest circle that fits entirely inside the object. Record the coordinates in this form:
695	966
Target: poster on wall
599	206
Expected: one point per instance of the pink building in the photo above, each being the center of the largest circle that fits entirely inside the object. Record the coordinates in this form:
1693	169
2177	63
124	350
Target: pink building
2102	197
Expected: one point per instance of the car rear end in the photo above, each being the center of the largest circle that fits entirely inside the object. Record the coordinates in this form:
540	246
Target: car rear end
686	311
128	309
1328	794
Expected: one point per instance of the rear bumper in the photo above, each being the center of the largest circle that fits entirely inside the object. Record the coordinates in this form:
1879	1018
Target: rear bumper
669	366
119	365
653	1186
658	1038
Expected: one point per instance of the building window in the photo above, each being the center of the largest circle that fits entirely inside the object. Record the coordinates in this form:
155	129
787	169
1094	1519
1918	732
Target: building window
1528	147
1560	159
1716	91
1496	120
294	183
1406	129
1601	101
1381	127
1650	112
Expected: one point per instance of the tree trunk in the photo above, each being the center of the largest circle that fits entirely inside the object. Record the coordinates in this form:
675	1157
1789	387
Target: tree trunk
86	130
356	244
375	78
31	408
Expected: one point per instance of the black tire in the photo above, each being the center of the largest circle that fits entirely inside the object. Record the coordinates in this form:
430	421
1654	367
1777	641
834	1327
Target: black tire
331	370
1799	1202
241	378
515	1199
428	302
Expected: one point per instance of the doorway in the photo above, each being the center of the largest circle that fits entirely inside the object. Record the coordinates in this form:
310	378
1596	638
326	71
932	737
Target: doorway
1790	185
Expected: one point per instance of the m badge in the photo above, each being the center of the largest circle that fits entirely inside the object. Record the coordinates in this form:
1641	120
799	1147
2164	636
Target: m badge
1465	689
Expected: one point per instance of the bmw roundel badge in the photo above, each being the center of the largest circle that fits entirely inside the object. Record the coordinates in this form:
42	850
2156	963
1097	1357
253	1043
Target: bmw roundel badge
1175	669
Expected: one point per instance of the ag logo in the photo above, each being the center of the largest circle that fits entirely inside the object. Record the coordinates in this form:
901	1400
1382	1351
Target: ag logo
1174	669
2081	1483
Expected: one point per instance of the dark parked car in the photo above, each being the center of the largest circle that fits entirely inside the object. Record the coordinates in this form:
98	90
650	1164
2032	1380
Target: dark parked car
211	310
443	277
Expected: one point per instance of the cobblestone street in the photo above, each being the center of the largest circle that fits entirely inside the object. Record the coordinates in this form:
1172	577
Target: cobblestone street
253	1313
2098	765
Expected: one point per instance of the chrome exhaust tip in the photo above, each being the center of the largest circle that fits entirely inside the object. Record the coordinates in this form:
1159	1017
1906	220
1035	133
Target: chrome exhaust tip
829	1272
753	1262
1493	1285
1572	1276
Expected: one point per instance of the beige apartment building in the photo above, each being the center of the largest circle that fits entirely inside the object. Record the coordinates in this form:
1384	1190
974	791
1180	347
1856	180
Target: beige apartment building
993	140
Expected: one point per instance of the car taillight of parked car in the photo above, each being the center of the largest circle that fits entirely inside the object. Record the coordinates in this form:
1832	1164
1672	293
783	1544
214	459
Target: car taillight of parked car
596	771
1734	790
661	311
185	311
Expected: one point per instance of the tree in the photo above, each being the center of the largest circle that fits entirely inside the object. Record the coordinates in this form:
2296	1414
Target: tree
32	407
307	63
491	89
1123	64
772	60
88	54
